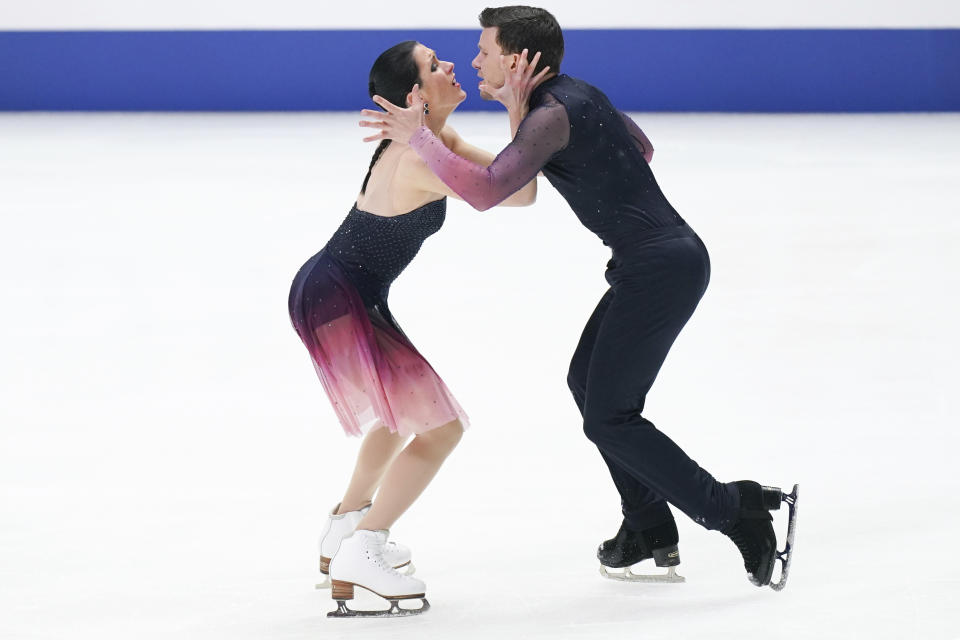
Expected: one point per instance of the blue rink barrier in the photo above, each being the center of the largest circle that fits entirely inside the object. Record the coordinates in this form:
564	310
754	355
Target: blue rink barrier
732	70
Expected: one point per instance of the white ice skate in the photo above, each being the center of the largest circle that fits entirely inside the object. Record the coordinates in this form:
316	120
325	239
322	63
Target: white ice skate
360	562
341	525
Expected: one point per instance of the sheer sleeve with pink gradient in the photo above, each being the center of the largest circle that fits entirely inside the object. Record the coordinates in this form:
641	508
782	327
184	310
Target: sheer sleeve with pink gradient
545	131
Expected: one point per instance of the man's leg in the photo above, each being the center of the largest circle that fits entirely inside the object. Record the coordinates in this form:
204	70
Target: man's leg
650	307
642	509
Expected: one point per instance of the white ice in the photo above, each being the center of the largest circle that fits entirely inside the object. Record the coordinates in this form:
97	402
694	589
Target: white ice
167	454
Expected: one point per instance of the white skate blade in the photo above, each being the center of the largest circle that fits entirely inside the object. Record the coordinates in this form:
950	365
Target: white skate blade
627	575
786	556
325	572
395	610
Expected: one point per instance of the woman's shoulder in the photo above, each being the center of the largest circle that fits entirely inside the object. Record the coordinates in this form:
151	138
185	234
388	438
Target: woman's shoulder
412	180
449	136
408	160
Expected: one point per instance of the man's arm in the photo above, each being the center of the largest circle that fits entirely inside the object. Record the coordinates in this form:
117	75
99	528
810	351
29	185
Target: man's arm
527	194
414	172
542	133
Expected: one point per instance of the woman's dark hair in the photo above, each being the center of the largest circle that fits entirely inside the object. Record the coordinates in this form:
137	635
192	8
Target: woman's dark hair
530	28
392	76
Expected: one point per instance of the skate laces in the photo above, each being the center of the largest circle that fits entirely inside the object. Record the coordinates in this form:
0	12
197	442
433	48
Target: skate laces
747	549
374	551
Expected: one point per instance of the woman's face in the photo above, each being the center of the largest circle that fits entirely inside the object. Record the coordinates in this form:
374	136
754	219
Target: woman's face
438	85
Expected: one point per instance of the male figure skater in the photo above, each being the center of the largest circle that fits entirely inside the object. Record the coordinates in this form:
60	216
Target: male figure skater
597	158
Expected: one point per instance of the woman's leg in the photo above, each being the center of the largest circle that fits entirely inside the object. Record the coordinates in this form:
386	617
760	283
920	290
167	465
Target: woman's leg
378	450
410	473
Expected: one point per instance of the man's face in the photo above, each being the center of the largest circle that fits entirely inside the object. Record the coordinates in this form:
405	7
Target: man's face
487	62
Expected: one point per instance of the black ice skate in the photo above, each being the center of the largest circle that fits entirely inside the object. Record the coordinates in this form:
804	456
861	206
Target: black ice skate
753	533
630	547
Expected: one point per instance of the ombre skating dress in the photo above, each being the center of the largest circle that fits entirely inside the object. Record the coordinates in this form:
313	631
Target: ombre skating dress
338	305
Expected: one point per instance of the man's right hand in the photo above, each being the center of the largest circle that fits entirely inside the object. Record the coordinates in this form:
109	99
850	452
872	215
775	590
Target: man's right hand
518	84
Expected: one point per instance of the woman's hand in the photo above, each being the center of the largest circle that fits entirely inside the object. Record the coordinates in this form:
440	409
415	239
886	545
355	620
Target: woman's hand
518	84
396	124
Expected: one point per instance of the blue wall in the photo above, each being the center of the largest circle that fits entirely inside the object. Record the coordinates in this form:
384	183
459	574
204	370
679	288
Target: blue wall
645	70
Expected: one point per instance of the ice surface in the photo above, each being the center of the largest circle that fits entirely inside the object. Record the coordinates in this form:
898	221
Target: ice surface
167	454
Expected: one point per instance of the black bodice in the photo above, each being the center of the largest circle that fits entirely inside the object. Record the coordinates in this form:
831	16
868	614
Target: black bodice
374	249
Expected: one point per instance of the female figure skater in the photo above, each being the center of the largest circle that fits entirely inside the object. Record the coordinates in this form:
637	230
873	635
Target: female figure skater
377	380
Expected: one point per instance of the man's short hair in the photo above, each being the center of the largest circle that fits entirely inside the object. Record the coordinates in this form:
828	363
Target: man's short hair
520	27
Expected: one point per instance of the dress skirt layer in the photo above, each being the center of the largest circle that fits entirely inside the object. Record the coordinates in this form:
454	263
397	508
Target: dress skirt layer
369	368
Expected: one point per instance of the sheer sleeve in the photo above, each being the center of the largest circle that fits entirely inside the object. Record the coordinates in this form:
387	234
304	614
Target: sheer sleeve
639	138
542	133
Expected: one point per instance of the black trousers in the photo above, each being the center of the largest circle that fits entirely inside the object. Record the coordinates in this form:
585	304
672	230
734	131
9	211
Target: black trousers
654	289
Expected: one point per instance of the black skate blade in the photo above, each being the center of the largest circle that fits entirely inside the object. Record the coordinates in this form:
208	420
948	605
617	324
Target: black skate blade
395	611
786	556
670	577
